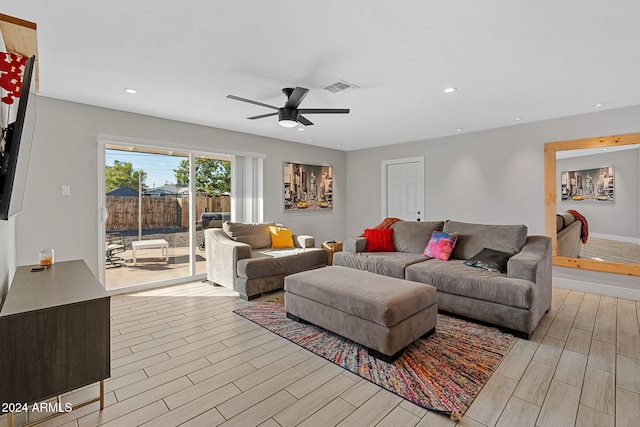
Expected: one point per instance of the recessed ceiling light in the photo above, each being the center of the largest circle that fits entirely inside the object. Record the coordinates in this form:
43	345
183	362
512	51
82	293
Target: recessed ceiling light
310	139
518	119
460	129
301	129
129	90
339	145
450	89
599	104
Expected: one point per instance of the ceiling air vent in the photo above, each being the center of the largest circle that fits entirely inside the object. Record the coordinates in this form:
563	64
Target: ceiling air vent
340	87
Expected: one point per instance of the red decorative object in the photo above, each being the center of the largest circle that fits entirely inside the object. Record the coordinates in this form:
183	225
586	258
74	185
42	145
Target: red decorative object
11	71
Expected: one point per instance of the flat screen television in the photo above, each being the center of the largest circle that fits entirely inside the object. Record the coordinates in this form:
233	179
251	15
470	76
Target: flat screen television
15	149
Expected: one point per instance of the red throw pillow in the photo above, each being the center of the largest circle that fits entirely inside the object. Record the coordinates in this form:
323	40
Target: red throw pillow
379	240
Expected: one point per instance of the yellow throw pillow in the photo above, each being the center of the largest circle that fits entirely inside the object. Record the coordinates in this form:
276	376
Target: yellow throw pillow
281	237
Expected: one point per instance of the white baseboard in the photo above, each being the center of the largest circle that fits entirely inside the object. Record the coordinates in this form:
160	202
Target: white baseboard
598	288
154	285
615	238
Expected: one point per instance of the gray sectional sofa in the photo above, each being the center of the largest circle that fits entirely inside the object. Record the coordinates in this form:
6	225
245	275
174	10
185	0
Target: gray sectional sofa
241	257
515	300
569	235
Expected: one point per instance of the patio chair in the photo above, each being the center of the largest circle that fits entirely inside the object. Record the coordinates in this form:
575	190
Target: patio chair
114	246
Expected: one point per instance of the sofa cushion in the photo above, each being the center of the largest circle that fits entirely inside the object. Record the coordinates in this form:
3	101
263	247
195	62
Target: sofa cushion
472	238
281	237
255	235
490	259
379	240
412	236
270	262
440	245
453	277
390	264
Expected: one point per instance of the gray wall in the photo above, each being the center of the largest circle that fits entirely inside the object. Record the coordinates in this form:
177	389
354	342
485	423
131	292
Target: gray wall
65	151
493	176
7	255
619	219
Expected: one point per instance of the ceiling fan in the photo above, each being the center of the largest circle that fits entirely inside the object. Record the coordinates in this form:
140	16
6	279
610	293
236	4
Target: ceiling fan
290	115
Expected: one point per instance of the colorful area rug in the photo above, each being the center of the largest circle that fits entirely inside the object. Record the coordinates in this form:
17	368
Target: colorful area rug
442	373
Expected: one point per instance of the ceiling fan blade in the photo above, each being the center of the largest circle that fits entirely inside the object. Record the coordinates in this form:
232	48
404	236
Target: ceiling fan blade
324	110
262	116
296	97
237	98
304	120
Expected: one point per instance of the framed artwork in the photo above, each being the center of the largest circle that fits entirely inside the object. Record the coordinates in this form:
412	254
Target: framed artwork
307	187
588	186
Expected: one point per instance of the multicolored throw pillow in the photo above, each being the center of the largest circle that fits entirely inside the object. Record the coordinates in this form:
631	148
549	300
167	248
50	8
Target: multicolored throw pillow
379	240
441	245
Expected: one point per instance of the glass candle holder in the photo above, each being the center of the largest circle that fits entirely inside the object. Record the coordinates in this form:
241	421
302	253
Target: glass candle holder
46	257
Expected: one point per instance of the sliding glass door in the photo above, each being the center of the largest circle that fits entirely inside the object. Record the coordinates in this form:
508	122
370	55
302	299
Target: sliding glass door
157	203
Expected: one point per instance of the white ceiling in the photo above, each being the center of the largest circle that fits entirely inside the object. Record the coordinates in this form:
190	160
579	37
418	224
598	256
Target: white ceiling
509	59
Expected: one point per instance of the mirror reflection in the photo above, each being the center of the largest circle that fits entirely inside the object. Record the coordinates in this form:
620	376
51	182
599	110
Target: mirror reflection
595	182
598	204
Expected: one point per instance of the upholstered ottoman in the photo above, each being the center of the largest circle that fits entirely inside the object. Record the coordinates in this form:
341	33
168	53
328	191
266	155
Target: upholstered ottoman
382	313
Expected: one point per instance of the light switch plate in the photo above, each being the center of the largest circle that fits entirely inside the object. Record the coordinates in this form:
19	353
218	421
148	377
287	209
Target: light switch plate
66	190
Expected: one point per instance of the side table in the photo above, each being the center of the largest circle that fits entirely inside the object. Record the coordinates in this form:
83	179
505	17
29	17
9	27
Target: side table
331	248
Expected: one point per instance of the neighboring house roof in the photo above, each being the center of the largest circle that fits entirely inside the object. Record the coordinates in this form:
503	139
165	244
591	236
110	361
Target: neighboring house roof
123	191
167	190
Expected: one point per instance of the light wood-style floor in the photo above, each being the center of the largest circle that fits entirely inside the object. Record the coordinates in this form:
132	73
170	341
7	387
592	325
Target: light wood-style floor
181	357
610	251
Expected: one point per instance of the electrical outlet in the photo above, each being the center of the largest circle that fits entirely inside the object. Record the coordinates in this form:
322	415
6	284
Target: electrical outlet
66	190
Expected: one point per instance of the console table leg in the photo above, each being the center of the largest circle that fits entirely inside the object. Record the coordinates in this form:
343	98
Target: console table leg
101	395
9	419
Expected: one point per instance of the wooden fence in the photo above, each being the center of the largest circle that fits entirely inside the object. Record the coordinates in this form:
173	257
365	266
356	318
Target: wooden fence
160	212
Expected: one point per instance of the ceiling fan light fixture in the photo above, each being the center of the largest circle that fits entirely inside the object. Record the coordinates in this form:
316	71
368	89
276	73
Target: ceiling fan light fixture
287	118
288	123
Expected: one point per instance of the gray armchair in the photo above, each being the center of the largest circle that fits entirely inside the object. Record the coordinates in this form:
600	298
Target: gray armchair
241	257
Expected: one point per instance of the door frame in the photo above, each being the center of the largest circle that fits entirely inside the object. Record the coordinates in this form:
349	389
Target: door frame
384	184
240	160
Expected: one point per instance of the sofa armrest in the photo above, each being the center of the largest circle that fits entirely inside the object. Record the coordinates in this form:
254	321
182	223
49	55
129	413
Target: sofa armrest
355	244
222	257
569	240
534	263
304	241
535	253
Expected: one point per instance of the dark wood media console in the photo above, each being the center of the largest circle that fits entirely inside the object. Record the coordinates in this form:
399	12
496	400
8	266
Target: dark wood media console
54	334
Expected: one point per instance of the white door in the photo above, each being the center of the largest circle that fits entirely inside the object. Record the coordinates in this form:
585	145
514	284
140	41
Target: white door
403	189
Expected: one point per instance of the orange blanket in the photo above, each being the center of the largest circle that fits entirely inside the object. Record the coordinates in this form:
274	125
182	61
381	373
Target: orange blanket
386	223
585	226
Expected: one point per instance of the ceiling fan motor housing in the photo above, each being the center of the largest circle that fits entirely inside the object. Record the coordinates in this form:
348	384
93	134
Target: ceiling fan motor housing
288	117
